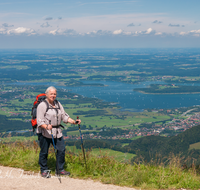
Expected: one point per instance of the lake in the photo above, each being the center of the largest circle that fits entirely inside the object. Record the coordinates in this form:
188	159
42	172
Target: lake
123	94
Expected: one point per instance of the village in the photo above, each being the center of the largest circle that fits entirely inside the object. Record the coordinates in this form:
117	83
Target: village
172	128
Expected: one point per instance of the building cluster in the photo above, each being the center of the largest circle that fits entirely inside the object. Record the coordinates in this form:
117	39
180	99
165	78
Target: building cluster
175	126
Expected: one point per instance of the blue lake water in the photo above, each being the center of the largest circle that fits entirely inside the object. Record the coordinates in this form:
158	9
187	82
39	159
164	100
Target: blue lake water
124	95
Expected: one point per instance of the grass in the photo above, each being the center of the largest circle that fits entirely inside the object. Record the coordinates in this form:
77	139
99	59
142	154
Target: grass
17	138
104	168
117	155
195	146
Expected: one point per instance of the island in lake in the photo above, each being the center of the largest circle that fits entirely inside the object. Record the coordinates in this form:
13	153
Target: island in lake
169	89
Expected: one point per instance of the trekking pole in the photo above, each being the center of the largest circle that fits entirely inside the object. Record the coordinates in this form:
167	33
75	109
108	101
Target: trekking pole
82	143
57	168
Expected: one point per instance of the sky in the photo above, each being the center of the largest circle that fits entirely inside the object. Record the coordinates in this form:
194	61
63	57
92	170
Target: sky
99	24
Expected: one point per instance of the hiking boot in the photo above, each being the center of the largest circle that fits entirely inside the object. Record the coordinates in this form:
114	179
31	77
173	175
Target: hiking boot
46	174
63	172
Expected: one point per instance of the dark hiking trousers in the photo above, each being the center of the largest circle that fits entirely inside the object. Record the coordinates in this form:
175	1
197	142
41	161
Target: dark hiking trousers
44	147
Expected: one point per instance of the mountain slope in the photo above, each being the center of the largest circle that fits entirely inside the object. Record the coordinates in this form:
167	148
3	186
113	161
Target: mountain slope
152	147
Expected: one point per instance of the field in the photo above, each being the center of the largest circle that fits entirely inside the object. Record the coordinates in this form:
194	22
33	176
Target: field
195	146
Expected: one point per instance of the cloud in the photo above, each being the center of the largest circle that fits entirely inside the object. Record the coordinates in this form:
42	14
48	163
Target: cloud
174	25
59	18
54	32
44	25
191	33
99	32
149	30
158	33
66	32
117	31
127	33
21	30
144	32
183	33
121	32
2	30
69	32
49	18
130	25
195	31
157	22
7	25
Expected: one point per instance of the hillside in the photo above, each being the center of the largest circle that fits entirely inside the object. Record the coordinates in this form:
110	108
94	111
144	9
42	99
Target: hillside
157	147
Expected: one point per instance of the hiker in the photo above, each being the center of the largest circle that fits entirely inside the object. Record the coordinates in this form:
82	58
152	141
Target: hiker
48	122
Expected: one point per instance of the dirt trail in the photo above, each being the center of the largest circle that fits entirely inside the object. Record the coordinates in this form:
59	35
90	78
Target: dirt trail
17	179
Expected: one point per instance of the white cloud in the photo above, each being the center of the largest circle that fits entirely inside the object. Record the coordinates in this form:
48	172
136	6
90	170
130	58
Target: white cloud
149	30
54	32
158	33
94	33
63	32
2	30
117	31
138	32
192	32
21	30
183	33
195	31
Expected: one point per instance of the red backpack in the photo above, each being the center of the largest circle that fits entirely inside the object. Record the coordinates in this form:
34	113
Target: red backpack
39	98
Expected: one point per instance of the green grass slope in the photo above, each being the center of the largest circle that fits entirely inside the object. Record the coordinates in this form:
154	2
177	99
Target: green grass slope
103	168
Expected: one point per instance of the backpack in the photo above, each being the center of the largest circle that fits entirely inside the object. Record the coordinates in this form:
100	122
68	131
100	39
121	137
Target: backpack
39	98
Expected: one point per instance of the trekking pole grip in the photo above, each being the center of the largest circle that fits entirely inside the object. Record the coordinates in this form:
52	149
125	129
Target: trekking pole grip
77	118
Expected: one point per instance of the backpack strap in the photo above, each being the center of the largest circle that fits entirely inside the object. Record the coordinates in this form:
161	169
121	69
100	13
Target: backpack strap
55	101
46	105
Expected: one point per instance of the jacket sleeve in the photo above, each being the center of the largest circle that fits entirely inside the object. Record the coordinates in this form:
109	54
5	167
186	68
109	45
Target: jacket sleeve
64	115
41	110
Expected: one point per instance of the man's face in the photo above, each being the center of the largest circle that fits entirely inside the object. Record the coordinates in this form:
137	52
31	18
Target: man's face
51	95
